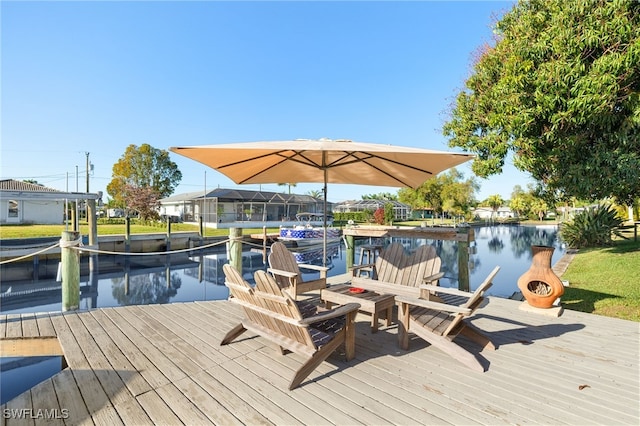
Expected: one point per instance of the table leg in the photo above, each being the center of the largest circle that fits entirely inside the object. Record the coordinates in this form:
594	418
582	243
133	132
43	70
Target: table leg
350	336
374	322
389	315
403	326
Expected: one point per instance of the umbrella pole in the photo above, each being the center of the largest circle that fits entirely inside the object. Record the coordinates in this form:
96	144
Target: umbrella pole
324	236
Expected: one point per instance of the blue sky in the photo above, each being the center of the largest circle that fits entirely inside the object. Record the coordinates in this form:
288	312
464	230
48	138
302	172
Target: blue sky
96	77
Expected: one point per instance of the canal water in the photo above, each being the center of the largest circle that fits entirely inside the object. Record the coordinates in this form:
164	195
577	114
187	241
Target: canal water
199	277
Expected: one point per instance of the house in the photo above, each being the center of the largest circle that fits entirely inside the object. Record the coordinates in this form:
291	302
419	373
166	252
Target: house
224	208
401	211
24	202
487	213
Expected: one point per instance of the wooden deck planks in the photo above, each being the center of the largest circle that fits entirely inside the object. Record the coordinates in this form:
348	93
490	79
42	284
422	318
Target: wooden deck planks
186	410
69	396
157	409
13	326
163	364
136	360
237	408
29	325
103	335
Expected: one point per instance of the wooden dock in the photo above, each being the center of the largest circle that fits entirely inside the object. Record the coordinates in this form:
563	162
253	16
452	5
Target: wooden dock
162	364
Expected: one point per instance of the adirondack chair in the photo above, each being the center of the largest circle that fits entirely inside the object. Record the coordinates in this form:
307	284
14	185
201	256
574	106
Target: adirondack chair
286	272
442	318
273	314
396	272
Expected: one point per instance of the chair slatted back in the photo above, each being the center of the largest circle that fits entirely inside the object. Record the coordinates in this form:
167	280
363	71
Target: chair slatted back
268	307
394	265
281	258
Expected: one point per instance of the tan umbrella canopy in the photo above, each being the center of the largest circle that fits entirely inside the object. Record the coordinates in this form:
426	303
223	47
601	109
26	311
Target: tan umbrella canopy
323	160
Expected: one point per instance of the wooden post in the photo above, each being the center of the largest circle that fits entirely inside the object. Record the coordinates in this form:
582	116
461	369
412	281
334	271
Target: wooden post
127	234
74	218
70	260
93	235
264	245
351	251
463	261
235	248
168	238
201	226
93	223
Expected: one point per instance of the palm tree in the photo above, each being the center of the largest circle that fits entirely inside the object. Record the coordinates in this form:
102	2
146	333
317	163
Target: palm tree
495	202
289	184
315	193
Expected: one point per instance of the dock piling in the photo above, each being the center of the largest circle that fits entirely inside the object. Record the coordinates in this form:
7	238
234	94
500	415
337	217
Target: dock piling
235	248
70	260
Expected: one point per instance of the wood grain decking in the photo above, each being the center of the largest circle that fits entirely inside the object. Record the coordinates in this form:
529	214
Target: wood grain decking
162	364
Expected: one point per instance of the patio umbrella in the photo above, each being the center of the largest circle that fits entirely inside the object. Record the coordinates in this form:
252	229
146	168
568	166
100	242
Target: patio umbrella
323	161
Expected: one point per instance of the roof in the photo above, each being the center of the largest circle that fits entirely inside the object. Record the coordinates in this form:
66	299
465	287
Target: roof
20	190
227	194
18	185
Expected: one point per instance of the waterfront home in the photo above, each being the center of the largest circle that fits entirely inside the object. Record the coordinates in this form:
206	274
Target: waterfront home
224	208
25	202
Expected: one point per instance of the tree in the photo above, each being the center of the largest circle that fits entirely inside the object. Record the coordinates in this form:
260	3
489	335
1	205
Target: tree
445	192
539	207
389	213
457	195
495	202
519	203
315	193
143	166
289	185
386	196
144	200
560	89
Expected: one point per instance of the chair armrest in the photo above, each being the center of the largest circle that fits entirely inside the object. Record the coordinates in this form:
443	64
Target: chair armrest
432	278
337	312
446	290
433	305
282	273
322	269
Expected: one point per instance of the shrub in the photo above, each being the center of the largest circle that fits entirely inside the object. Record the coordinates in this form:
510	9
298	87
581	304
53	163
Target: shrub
378	216
362	216
591	228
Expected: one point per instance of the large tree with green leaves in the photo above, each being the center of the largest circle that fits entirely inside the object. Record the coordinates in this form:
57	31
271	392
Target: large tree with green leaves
560	89
444	192
143	167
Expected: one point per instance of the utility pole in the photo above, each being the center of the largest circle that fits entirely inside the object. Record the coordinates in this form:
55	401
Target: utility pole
87	154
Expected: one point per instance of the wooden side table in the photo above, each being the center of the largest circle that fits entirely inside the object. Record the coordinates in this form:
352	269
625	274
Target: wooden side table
370	302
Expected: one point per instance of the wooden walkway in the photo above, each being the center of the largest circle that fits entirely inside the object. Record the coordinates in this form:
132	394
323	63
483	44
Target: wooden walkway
162	364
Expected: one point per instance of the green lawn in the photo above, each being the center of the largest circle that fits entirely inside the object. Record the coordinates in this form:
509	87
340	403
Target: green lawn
605	281
32	231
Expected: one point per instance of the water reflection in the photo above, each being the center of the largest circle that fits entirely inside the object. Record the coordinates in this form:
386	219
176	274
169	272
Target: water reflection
163	279
146	289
